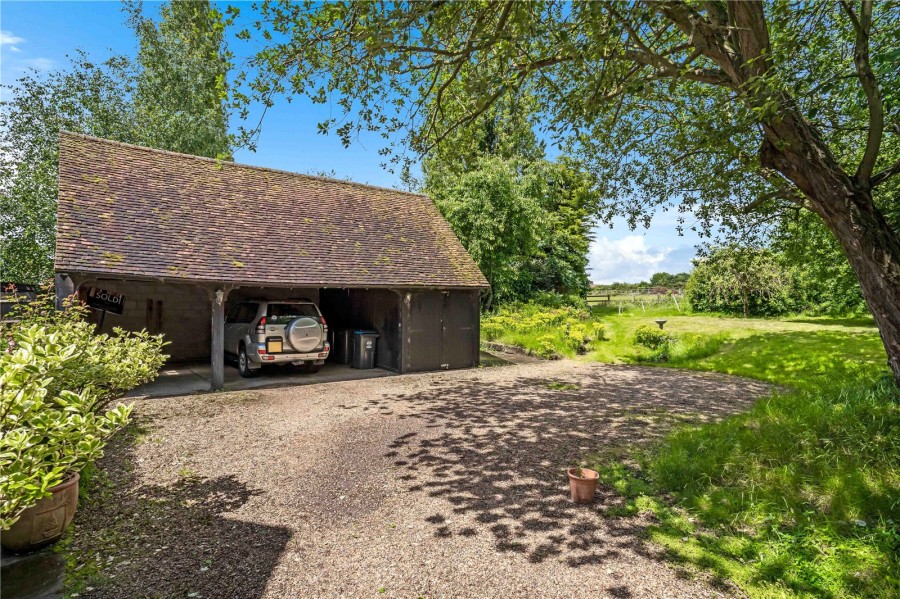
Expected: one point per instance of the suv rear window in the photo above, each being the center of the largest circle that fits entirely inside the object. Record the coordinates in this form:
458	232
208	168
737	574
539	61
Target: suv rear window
285	313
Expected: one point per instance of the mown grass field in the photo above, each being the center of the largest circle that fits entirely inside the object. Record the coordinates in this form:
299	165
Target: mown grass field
799	497
801	352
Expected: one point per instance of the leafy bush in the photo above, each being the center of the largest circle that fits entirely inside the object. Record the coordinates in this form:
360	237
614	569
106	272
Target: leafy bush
656	340
551	299
56	379
48	432
108	365
745	281
651	338
546	332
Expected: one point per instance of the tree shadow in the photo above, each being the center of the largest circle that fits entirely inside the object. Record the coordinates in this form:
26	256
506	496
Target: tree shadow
803	357
497	452
852	321
152	540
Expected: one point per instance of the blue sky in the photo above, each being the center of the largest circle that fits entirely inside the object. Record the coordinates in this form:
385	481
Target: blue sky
39	35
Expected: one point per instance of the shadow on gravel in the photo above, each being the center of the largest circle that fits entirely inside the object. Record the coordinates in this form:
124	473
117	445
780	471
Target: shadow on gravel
167	541
498	452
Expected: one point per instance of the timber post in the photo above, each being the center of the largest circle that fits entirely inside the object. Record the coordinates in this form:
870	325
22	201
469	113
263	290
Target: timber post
217	345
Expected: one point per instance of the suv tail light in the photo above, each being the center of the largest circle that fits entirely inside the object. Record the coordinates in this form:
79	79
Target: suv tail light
261	326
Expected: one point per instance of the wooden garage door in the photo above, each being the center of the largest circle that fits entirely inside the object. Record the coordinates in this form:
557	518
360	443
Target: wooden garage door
458	330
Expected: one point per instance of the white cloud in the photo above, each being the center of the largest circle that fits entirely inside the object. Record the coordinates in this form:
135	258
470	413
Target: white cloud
629	259
8	39
625	259
40	64
9	42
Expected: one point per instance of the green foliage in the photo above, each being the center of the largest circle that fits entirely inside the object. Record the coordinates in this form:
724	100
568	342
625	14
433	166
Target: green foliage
56	381
492	217
659	125
49	431
545	332
181	92
823	280
665	279
567	197
173	100
87	98
796	497
651	338
108	365
741	280
561	199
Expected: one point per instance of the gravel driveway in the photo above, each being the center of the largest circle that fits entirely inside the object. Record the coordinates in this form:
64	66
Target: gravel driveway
436	485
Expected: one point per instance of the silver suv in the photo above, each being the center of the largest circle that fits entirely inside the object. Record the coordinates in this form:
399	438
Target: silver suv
276	332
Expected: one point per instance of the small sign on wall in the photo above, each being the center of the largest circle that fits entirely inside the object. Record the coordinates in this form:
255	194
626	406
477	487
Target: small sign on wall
104	300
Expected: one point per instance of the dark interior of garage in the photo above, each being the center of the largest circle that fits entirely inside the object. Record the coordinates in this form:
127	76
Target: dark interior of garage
365	309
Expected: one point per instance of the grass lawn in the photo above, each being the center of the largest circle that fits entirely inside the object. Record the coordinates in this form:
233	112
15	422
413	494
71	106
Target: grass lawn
798	352
798	497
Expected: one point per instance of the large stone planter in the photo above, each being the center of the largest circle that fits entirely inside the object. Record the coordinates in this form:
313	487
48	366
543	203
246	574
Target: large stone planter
45	521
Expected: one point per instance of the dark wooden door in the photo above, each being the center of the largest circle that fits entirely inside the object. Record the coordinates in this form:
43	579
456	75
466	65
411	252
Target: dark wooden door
458	330
424	331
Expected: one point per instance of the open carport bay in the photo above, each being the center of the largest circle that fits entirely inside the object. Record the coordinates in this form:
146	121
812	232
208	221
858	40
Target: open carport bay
189	378
418	330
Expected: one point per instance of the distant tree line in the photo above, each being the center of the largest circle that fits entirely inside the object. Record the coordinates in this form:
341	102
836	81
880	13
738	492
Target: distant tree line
659	280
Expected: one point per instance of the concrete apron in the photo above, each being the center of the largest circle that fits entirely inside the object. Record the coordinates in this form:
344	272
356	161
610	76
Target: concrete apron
188	379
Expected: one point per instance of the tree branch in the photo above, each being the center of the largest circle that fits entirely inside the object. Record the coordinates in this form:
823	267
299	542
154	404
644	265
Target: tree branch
665	68
885	174
863	25
787	195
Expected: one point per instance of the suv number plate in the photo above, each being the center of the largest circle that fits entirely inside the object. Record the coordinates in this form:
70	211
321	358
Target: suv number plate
274	345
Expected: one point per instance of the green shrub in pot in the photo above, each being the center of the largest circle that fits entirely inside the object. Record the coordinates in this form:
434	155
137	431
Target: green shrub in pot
48	433
109	365
57	379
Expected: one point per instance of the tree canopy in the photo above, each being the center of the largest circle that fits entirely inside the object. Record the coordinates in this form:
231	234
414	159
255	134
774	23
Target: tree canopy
535	244
172	98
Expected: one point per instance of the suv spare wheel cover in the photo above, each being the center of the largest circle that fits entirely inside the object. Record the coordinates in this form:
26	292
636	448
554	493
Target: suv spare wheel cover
304	334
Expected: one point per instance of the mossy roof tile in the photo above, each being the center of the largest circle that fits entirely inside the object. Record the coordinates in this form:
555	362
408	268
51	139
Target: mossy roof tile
176	216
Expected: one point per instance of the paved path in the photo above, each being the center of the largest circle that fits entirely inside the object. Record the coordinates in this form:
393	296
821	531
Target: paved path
437	485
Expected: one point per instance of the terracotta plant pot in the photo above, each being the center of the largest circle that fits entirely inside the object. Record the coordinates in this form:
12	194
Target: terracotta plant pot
45	521
583	484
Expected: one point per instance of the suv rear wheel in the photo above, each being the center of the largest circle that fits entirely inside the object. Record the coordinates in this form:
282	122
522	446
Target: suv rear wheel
244	364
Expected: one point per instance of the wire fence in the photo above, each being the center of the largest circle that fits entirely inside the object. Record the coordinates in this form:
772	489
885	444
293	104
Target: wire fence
636	296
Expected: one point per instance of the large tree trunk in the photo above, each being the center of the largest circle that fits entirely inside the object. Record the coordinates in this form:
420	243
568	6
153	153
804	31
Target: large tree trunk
794	148
871	245
873	250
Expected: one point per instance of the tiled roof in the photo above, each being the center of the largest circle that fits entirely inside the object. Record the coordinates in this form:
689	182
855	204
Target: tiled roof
137	212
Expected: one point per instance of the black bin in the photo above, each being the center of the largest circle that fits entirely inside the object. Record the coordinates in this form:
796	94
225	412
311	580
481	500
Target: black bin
364	343
341	346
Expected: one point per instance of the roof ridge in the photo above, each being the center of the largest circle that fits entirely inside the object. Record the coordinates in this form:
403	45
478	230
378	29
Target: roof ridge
63	132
